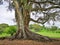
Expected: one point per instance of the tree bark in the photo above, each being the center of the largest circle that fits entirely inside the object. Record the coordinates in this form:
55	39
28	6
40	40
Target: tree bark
23	31
26	33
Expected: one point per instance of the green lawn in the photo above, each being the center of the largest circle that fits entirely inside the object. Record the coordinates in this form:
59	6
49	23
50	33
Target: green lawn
45	33
4	35
50	34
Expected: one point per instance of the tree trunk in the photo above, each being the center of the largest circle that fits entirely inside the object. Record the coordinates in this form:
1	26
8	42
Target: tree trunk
20	21
23	31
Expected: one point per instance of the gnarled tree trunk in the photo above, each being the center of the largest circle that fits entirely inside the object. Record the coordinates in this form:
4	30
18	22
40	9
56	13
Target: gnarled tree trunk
23	31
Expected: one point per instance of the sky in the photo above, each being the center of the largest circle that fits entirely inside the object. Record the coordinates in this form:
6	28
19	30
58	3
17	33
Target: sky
7	16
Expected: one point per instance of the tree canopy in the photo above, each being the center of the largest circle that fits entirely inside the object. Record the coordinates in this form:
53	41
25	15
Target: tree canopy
48	8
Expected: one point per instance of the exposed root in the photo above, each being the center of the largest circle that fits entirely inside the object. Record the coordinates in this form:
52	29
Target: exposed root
29	35
34	36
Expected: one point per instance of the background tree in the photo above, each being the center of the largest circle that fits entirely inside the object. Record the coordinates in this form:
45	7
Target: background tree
48	8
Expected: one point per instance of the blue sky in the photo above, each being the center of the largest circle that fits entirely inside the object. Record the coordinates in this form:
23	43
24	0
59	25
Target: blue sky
7	16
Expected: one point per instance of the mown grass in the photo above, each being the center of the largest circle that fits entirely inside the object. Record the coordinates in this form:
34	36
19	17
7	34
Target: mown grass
6	30
48	33
5	35
44	33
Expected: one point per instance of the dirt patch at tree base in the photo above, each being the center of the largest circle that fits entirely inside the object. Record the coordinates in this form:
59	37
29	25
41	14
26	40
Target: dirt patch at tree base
27	42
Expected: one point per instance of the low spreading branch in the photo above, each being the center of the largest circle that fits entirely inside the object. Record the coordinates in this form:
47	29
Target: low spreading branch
42	2
44	20
43	9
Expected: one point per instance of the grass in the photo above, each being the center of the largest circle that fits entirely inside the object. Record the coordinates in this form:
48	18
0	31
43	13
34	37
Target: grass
48	33
44	33
4	35
54	32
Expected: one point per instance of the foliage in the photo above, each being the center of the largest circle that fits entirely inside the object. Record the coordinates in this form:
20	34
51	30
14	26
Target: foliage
57	31
10	30
36	27
5	35
54	28
2	27
6	30
39	28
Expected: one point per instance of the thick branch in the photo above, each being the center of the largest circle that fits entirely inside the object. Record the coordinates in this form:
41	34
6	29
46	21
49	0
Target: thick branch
52	7
37	21
42	9
51	2
41	20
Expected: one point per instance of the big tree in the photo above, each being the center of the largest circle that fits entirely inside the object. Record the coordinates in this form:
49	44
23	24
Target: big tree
23	9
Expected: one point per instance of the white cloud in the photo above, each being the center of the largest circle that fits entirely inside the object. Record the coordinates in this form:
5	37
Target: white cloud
5	15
